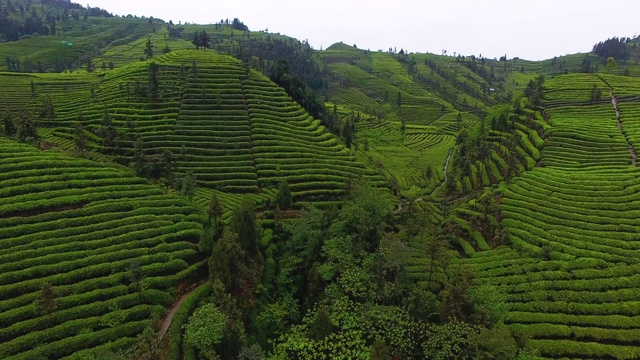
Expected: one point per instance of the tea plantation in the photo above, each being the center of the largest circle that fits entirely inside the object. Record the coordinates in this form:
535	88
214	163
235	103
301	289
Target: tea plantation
88	253
571	285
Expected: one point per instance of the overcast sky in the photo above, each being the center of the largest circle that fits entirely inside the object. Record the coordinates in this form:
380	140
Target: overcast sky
532	29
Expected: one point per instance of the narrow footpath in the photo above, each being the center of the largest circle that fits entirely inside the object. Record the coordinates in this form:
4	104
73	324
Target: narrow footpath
169	318
446	170
632	151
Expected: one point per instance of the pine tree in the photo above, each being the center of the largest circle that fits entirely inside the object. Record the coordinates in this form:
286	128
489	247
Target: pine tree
284	199
80	138
9	124
188	185
148	50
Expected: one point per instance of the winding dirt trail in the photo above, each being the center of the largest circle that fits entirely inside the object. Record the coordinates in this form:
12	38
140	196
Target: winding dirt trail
446	169
169	318
632	151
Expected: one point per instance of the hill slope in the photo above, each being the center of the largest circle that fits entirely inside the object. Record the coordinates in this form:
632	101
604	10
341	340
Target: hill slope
236	131
110	247
572	285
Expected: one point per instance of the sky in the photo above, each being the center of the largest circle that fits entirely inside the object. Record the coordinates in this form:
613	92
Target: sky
532	30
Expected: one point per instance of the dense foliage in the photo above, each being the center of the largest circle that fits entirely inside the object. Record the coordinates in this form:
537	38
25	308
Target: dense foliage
614	47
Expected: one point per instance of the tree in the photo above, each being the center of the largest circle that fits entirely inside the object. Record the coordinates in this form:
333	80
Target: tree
8	123
239	25
135	276
612	65
596	94
403	129
427	174
399	99
148	49
380	350
586	66
227	262
201	40
47	301
140	162
26	127
614	47
108	131
453	340
48	112
437	252
215	212
188	185
284	199
206	328
147	342
347	133
153	85
80	139
243	223
456	303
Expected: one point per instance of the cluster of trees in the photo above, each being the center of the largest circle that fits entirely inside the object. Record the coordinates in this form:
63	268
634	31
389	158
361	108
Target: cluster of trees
201	40
236	24
19	19
21	126
297	89
457	84
12	28
298	55
535	92
152	166
614	47
332	284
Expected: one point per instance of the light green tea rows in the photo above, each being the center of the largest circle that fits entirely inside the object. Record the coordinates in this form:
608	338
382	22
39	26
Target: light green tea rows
112	246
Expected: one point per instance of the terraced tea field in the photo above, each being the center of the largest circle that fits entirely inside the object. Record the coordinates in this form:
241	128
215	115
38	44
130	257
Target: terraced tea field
571	284
426	93
236	131
87	253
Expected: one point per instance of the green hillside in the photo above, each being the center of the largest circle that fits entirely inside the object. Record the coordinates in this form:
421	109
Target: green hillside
572	222
256	198
233	129
432	97
110	248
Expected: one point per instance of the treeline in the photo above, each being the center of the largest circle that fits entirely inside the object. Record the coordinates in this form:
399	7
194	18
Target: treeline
298	55
449	94
281	74
18	19
614	47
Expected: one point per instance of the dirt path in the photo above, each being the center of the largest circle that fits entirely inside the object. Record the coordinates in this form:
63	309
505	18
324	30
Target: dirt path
446	169
169	318
632	151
